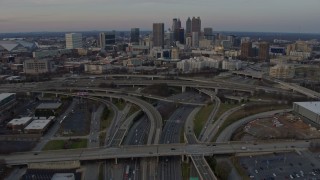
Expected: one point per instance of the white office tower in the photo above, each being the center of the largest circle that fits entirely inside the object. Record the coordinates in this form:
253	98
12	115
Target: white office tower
195	39
73	40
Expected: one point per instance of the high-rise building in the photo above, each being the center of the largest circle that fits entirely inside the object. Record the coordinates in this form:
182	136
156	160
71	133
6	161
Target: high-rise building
208	33
107	40
188	27
246	49
196	25
195	39
176	26
135	35
73	40
263	51
158	34
181	36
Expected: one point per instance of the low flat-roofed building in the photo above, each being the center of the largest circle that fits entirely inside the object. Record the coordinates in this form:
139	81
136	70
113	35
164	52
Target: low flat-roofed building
39	126
47	109
63	176
19	124
7	101
309	110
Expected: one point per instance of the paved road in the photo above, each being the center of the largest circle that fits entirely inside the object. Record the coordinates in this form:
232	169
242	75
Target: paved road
226	134
152	150
53	130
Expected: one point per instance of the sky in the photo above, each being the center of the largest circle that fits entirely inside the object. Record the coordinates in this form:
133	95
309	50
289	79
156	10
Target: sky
302	16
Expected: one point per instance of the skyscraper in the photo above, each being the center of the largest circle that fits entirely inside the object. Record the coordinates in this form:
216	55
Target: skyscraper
195	39
181	36
196	25
158	34
73	40
176	25
135	35
263	54
107	40
188	27
208	33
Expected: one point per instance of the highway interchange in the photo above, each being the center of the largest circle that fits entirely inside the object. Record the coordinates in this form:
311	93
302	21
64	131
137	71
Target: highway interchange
150	128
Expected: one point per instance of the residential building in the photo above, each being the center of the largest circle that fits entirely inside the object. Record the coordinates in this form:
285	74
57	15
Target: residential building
246	49
264	49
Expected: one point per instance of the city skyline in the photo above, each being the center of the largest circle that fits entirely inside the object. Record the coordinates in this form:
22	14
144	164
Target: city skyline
230	15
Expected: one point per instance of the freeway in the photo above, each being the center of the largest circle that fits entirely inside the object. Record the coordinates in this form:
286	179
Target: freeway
206	149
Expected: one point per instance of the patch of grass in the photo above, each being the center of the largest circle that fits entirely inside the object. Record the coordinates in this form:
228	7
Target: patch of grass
102	137
248	111
66	144
120	104
201	118
106	118
182	136
134	108
223	108
101	173
185	171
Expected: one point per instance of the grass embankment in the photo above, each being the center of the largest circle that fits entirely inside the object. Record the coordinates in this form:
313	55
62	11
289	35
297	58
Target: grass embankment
185	171
201	118
239	168
134	108
105	122
106	118
66	144
248	111
223	108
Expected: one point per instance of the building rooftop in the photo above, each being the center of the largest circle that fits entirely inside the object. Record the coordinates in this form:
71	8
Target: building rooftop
20	121
313	106
5	95
63	176
37	125
49	106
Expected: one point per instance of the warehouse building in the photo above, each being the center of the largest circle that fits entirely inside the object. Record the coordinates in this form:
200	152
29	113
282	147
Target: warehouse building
17	125
47	109
309	110
39	126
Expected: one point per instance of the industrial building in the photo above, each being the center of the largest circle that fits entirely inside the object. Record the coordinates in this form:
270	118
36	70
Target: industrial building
39	126
309	110
17	125
7	101
47	109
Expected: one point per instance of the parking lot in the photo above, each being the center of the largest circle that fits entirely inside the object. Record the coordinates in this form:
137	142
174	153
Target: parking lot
305	165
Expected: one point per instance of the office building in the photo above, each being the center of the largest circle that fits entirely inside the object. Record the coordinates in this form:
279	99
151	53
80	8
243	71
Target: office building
246	49
231	65
196	25
309	110
135	35
158	34
208	33
107	40
73	40
263	54
282	71
35	66
181	37
188	27
195	39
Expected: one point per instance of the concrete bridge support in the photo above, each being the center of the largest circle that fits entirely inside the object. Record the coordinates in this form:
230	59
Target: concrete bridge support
216	90
212	98
185	158
42	94
116	160
183	89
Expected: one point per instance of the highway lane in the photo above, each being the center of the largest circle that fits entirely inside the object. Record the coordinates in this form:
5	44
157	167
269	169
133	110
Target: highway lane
206	149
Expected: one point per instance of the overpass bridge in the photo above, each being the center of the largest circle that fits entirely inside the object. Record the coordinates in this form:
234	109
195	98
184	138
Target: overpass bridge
157	150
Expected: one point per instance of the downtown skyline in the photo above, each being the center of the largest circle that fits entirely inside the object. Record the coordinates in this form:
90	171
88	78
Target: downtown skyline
230	15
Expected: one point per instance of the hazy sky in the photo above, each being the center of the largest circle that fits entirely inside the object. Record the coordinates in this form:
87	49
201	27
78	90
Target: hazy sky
229	15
